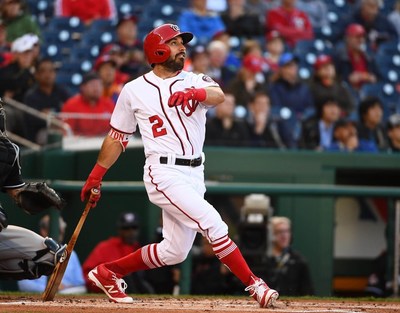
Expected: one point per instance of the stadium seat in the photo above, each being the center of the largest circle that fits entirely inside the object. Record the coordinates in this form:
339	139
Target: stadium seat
61	39
128	7
41	10
94	37
83	52
71	24
389	67
103	25
53	52
71	81
388	48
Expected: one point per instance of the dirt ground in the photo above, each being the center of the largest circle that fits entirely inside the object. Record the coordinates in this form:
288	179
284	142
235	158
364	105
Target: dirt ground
94	304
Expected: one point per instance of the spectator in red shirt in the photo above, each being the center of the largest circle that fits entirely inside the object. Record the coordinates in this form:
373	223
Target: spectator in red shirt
293	24
117	247
87	10
88	112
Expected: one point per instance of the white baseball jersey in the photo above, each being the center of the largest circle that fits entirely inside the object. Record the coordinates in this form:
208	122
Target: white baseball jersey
164	129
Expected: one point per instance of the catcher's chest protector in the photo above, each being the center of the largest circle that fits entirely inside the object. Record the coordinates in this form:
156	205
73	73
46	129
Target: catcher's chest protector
7	158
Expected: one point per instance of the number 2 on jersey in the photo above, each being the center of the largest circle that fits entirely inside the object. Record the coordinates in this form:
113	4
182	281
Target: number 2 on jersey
157	128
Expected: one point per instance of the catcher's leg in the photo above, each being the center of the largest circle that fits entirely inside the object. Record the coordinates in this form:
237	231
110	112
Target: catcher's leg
26	255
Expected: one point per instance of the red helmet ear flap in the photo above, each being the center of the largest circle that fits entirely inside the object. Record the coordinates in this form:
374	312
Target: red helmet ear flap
155	47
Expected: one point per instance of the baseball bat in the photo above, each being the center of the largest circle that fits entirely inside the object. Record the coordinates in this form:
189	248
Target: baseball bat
58	272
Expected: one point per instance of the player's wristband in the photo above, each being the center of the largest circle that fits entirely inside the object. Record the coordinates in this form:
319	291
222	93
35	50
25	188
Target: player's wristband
200	94
98	171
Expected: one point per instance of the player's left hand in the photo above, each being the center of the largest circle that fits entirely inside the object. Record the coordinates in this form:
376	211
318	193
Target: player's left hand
183	97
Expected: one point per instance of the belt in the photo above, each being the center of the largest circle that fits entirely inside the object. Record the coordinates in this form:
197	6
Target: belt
184	162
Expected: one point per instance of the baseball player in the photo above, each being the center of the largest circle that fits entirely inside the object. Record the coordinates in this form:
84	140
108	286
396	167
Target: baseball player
169	105
23	253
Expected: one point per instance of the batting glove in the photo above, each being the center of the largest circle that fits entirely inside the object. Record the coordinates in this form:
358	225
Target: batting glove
183	97
93	181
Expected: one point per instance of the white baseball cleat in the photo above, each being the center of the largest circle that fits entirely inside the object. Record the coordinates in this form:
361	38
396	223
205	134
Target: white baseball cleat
112	286
264	295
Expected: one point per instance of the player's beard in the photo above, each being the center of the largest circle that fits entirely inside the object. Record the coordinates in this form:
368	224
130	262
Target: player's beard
174	64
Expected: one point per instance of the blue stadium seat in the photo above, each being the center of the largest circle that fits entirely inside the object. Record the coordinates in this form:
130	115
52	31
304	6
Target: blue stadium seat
388	48
41	10
103	25
165	12
76	66
52	51
129	7
70	80
94	37
83	52
71	24
63	40
387	92
389	67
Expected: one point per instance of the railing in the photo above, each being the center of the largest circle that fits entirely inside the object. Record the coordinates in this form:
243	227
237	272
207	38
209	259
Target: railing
271	189
50	119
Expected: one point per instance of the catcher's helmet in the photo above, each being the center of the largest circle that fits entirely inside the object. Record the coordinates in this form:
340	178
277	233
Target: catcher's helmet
155	49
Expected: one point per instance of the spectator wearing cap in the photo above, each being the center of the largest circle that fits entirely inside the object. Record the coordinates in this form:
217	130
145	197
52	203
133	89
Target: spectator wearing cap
239	22
317	131
16	78
370	128
17	20
88	112
249	79
377	27
45	96
293	24
125	242
291	99
325	82
218	53
224	129
393	132
87	10
204	24
264	131
316	10
355	65
106	67
274	48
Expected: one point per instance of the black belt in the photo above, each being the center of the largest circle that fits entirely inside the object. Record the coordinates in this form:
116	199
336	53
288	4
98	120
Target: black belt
184	162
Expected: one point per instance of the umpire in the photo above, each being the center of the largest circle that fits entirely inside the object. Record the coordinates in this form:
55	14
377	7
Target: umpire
23	253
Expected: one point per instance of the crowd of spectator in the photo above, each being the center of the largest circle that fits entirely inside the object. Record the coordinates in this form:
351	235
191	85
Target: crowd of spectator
253	49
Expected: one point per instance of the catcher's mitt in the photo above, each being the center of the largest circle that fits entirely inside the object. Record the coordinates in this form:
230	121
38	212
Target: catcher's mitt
37	197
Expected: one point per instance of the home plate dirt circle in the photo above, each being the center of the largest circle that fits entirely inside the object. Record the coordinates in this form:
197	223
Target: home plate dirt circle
89	304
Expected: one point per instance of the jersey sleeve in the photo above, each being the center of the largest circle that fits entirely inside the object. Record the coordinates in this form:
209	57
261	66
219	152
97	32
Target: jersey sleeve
123	117
203	81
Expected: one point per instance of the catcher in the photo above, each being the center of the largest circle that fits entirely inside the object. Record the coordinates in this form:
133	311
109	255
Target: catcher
23	253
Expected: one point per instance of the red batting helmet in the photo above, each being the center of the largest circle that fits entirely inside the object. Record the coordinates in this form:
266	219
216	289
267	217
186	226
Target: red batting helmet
155	49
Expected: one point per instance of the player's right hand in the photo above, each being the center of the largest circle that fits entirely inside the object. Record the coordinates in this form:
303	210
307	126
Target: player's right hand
93	181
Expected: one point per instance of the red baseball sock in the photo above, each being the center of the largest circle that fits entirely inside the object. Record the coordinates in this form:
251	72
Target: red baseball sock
142	259
229	254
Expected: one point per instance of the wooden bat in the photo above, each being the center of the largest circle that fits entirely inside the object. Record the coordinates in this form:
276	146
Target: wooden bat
58	272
